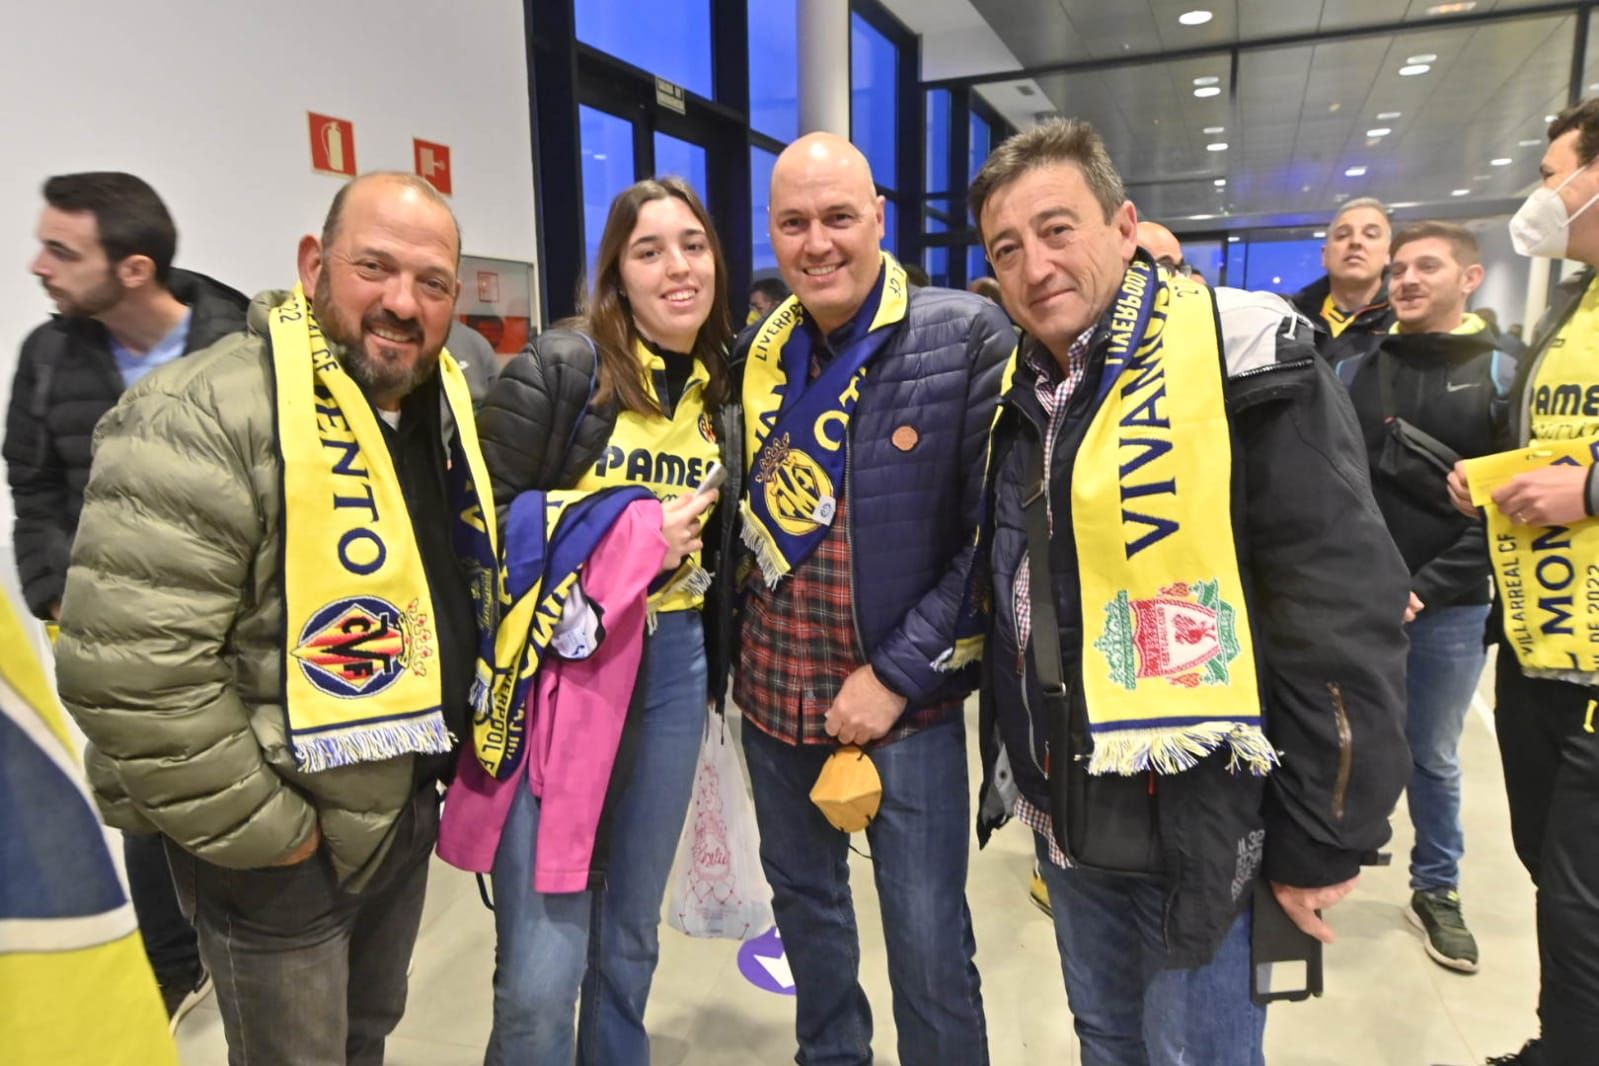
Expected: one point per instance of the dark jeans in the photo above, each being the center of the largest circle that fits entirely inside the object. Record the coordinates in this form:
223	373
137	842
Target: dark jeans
1551	757
919	842
305	972
1128	1007
169	939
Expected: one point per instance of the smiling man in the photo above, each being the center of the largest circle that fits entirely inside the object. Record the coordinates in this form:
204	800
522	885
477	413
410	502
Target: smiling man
268	635
867	404
1432	394
1350	302
1195	675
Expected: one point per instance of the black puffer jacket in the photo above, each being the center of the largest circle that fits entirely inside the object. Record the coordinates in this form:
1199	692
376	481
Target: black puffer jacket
66	380
1359	337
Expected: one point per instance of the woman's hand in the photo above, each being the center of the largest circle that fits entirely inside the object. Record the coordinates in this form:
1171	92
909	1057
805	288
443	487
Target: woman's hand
680	526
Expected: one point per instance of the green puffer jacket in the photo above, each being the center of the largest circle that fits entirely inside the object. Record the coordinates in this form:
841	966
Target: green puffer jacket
170	655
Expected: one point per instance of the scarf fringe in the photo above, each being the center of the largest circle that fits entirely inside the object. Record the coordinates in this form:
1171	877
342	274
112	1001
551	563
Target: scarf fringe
967	650
373	742
767	557
1173	749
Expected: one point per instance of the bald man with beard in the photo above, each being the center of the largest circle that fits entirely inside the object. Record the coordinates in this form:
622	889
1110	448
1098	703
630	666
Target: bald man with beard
868	403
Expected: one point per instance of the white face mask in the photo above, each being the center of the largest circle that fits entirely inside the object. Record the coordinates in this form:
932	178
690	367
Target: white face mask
1541	227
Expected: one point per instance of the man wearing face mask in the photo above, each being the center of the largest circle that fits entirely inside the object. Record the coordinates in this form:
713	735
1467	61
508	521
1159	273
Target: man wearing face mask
1349	303
1432	394
1540	528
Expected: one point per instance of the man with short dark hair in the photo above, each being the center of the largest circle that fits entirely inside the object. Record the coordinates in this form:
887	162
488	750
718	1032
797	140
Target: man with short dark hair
1194	670
867	404
1541	528
268	634
1432	394
106	244
765	294
1349	303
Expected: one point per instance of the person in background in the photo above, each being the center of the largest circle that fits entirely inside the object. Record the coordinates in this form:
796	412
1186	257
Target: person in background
476	358
629	393
765	294
106	245
268	634
1432	394
1541	524
1349	303
917	276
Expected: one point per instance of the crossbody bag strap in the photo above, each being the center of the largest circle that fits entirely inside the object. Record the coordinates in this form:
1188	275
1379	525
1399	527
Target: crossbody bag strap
1044	638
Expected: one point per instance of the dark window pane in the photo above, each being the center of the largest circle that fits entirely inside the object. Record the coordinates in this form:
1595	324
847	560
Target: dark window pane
774	68
891	227
938	140
1237	260
761	164
976	263
981	135
681	158
936	260
607	145
671	38
873	118
1280	266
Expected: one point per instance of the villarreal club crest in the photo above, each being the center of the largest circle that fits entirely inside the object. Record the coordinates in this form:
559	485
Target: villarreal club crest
360	645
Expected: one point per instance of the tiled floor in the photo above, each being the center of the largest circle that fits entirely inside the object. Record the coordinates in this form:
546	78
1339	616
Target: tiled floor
1387	1004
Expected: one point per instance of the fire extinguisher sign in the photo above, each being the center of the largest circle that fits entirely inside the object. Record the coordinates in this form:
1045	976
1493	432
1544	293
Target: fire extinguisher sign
332	145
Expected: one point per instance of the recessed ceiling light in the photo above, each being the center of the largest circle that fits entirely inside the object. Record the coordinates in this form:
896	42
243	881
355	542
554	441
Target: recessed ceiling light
1276	281
600	156
1460	192
1207	91
1453	8
1319	233
1234	240
1197	17
1425	57
1355	172
1334	106
1216	146
1380	131
1209	79
1533	143
1474	177
1388	116
1502	161
1215	129
1413	69
1219	182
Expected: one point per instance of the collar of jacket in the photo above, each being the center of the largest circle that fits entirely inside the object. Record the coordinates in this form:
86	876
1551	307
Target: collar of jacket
1440	347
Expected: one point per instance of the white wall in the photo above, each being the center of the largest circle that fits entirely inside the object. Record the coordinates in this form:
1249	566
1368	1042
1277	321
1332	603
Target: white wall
1504	284
207	101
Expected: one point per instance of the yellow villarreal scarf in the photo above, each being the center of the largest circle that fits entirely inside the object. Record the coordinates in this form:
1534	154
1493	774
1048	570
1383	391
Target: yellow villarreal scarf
669	456
796	435
361	683
1548	576
1169	670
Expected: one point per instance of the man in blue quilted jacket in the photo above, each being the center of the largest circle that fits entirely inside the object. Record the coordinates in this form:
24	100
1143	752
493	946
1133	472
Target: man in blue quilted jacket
867	406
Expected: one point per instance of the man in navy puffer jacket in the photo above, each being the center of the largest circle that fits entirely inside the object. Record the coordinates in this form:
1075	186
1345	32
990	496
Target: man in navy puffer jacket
856	642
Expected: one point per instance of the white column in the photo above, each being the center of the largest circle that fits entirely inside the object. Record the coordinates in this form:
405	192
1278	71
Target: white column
1537	296
823	36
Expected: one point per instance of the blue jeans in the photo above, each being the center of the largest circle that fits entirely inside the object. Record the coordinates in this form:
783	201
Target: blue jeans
1128	1009
1446	658
919	843
604	944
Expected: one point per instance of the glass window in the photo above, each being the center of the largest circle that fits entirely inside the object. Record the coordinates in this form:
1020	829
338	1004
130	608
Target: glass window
681	158
891	227
1237	261
981	133
936	260
976	263
774	68
761	164
1279	266
607	145
874	84
938	140
669	38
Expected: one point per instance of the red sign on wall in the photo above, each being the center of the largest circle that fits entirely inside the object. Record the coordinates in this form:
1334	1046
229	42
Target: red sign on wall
432	163
332	145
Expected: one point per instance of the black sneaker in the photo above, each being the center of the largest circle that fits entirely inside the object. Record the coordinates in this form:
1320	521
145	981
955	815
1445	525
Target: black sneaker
1437	914
1529	1055
181	997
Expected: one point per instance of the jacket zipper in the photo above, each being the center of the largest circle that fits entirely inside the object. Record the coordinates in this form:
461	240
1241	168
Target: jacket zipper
1346	750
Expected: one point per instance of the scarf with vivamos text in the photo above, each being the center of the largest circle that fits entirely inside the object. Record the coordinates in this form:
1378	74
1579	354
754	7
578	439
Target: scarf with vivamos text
1169	670
361	673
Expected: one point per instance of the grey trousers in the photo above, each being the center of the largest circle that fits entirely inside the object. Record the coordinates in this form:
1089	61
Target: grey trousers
307	974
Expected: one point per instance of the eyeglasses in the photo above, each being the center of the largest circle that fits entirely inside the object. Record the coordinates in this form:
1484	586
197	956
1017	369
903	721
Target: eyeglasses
1175	266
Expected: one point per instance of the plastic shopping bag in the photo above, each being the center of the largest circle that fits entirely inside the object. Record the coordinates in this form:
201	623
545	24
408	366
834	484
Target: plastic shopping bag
719	889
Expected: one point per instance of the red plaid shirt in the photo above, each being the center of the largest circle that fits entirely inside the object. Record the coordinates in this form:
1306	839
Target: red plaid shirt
799	642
